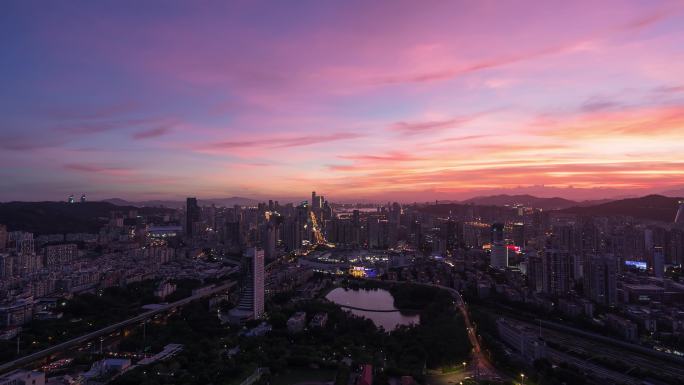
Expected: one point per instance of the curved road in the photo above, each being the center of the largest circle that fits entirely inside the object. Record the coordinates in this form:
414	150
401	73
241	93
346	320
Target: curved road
481	364
25	360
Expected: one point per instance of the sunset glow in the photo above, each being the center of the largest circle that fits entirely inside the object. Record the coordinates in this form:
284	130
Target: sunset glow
394	100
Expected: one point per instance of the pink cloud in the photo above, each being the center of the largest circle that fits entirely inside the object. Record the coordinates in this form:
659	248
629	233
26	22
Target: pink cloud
152	133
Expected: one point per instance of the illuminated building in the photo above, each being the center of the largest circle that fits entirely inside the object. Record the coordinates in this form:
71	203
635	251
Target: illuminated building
357	271
658	262
251	305
499	253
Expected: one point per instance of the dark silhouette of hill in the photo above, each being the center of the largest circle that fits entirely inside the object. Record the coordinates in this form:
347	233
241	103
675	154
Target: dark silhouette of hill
555	203
226	202
650	207
62	217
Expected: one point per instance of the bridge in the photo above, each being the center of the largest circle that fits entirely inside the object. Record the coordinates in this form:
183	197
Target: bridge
369	310
25	360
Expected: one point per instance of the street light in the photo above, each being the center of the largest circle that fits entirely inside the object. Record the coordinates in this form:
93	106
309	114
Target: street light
464	365
523	378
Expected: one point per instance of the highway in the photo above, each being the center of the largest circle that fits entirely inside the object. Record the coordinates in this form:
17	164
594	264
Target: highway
19	362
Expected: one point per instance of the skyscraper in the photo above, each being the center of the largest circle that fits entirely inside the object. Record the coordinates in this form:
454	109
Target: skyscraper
557	266
600	279
251	305
268	238
499	252
658	262
192	215
3	237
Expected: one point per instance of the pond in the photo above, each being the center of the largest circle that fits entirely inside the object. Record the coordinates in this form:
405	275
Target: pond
378	299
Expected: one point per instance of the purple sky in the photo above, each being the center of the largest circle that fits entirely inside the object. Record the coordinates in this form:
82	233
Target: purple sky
401	100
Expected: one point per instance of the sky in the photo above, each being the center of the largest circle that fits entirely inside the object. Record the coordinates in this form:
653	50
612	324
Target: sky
415	100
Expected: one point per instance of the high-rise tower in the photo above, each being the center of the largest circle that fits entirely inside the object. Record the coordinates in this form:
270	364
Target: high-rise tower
499	252
192	215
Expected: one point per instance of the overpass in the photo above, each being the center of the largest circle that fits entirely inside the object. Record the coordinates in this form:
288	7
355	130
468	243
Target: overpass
25	360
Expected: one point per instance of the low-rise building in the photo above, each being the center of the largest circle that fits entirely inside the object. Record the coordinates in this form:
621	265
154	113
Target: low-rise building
297	322
23	377
521	338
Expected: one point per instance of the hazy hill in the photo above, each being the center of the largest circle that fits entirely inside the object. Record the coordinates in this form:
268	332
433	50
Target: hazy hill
652	207
529	201
61	217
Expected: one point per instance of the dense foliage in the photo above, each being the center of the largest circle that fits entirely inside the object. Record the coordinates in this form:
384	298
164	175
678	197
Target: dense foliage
439	340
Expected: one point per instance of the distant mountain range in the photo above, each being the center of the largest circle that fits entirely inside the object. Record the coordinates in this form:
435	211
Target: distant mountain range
226	202
650	207
62	217
530	201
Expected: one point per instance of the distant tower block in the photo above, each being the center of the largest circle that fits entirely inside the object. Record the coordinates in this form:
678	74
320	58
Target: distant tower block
71	199
679	218
83	198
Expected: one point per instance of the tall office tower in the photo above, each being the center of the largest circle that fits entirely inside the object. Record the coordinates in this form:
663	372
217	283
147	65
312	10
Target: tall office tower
83	198
563	237
209	216
192	215
600	279
499	252
315	201
378	233
679	218
252	297
304	227
535	272
233	234
3	237
268	239
356	227
557	266
518	234
676	246
395	214
292	234
658	262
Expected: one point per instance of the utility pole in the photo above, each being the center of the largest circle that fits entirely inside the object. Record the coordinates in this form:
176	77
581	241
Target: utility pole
18	341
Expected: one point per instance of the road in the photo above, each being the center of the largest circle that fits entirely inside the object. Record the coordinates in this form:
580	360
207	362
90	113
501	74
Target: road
19	362
480	364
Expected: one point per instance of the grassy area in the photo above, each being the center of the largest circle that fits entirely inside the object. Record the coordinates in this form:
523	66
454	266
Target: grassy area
298	376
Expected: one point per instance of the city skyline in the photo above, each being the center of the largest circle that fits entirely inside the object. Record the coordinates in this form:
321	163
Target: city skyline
375	101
